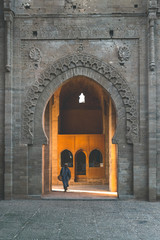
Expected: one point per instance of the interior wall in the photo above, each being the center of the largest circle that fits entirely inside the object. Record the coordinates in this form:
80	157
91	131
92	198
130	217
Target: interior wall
75	117
54	116
85	143
81	121
112	149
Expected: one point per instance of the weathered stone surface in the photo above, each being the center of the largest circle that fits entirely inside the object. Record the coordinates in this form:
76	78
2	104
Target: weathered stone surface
78	220
79	6
1	102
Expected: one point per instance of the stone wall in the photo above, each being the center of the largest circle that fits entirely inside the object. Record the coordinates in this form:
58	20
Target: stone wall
1	100
157	30
44	41
46	31
79	6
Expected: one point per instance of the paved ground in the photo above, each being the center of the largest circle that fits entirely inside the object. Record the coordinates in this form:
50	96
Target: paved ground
77	220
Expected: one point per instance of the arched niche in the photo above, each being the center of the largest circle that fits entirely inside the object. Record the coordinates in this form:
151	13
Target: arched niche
80	163
95	158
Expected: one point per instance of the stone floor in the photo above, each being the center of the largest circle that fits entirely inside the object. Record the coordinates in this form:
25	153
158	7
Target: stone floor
84	187
81	192
79	220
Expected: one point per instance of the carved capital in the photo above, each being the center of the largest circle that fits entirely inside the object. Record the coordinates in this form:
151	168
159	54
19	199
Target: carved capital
152	9
152	15
152	3
7	4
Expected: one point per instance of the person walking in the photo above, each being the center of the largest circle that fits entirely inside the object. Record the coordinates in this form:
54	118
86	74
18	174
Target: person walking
66	175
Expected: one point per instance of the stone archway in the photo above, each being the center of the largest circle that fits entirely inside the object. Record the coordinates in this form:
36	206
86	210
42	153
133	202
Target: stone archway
104	74
82	126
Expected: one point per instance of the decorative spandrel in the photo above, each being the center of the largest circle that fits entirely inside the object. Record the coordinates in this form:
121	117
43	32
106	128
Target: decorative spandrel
92	63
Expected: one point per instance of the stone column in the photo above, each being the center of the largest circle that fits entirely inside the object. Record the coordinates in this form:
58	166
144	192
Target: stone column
8	17
152	44
152	148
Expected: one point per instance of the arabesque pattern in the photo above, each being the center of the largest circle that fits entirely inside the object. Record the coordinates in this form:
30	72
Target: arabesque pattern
83	61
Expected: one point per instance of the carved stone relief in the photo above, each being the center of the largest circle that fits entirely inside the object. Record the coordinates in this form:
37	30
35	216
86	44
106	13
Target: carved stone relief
27	4
153	3
80	48
35	55
7	4
123	54
77	6
86	61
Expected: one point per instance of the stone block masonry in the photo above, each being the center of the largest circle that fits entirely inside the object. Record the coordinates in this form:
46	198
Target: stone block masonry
2	95
114	43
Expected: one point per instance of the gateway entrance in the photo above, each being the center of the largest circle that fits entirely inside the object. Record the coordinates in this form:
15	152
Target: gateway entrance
82	123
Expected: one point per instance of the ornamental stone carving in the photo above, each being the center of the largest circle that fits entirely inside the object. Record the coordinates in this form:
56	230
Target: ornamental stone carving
80	48
76	6
83	61
7	4
153	3
124	54
35	54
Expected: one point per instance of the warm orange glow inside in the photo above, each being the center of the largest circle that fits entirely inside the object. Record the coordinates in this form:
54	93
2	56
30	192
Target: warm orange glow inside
106	173
113	150
107	193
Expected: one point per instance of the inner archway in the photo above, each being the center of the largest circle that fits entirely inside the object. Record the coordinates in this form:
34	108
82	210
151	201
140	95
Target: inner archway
82	121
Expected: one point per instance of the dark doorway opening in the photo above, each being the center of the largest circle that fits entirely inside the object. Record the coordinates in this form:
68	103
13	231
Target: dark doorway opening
80	162
66	157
